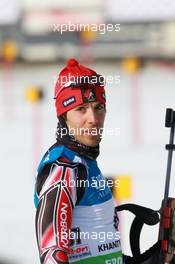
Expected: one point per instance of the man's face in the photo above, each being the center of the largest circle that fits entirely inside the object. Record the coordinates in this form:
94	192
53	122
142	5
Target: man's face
85	123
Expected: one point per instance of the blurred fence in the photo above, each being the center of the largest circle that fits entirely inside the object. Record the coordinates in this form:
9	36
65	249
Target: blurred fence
52	31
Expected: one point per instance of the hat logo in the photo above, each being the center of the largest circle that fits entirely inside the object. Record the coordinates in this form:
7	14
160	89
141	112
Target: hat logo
69	101
89	95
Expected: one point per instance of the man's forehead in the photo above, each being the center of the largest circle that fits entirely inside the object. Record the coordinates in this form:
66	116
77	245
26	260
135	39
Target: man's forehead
90	104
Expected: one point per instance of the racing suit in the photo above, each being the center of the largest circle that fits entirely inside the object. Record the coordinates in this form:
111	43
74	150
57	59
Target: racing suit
75	220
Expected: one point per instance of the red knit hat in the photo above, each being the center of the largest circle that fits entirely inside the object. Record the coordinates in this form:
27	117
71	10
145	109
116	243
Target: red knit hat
76	85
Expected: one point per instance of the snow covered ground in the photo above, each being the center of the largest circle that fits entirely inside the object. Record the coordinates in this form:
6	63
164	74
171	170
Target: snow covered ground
27	130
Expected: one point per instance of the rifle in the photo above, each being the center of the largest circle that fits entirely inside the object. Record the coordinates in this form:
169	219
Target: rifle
163	251
167	211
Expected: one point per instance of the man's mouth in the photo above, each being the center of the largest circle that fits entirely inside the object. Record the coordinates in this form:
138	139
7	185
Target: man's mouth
91	131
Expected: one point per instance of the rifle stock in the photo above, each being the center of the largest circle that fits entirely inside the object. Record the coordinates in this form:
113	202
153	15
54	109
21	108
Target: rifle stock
167	211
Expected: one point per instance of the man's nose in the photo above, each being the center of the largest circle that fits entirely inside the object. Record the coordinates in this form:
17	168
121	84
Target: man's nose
92	117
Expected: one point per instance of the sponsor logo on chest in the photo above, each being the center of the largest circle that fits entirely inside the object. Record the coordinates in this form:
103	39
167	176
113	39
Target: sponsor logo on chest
108	246
79	251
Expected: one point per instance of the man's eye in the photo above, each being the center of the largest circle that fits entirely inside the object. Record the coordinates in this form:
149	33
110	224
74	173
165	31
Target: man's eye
99	107
81	108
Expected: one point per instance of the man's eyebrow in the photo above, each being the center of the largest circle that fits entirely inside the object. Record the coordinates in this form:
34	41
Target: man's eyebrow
81	105
98	103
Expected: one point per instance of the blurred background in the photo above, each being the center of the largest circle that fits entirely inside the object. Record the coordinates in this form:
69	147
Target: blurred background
133	45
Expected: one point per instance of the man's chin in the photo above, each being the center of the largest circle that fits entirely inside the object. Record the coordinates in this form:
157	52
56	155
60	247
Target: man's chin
92	141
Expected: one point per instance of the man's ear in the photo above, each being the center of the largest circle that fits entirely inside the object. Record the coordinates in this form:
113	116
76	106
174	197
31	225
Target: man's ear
65	116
